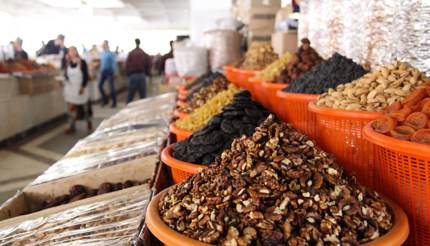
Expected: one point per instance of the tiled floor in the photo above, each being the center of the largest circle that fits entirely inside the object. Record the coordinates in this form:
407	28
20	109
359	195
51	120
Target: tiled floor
20	164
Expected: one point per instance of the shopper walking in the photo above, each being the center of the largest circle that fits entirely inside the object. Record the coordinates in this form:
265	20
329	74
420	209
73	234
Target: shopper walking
75	90
107	70
137	66
19	52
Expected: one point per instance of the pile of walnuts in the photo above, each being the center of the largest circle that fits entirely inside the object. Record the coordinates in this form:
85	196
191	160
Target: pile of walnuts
274	188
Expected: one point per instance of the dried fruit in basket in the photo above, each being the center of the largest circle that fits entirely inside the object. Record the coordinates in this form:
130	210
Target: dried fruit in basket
415	97
417	120
258	56
376	90
384	124
199	98
203	114
240	117
421	136
275	68
402	132
275	188
425	106
327	74
402	114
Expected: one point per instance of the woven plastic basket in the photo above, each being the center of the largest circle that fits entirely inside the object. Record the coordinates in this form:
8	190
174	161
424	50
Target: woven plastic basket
180	170
405	177
270	90
395	237
340	133
179	114
293	108
230	74
180	133
258	91
243	77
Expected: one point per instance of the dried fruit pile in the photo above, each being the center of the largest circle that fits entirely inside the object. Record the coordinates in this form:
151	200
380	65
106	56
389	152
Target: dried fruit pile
203	114
409	119
79	192
202	81
275	188
306	58
275	68
327	74
376	90
240	117
259	55
199	98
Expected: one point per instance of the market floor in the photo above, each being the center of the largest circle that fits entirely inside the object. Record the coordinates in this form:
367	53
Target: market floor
23	162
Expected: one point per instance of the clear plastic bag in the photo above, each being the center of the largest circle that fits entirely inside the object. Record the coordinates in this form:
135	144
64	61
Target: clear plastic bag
71	166
114	221
191	60
223	46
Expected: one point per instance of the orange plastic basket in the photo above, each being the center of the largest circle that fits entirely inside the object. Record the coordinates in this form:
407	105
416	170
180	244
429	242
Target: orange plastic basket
405	176
181	104
180	133
243	76
395	237
180	170
179	114
340	133
181	89
270	90
258	92
293	108
182	97
230	74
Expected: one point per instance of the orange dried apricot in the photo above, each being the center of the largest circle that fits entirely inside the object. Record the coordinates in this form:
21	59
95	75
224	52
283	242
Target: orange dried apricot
402	114
425	108
421	136
416	120
415	97
393	107
402	132
383	124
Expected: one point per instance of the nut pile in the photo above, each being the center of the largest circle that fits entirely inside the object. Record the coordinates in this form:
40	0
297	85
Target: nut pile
408	120
306	58
376	90
200	82
259	55
327	74
275	188
240	117
199	98
275	68
79	192
203	114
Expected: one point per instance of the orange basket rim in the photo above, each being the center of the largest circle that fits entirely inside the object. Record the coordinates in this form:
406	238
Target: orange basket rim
288	95
181	103
269	84
228	67
180	87
167	158
254	80
247	72
342	112
179	114
396	236
173	128
394	144
182	97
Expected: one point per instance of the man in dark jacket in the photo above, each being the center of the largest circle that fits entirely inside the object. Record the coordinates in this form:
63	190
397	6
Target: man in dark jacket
137	67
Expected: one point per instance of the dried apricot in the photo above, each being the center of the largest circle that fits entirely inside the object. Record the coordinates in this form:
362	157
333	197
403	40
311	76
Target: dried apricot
416	120
425	108
402	132
415	97
421	136
383	124
402	114
393	107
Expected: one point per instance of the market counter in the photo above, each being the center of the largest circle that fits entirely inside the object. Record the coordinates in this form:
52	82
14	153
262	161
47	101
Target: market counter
20	112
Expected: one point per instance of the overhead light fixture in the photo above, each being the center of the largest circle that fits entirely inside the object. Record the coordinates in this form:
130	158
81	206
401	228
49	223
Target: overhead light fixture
79	3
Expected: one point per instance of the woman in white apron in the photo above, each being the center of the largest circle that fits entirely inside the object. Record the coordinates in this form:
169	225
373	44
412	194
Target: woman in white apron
75	89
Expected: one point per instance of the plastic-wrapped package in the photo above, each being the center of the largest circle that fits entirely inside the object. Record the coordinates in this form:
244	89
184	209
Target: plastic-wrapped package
114	221
223	47
117	139
72	166
163	99
170	67
191	60
139	115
